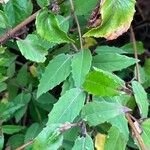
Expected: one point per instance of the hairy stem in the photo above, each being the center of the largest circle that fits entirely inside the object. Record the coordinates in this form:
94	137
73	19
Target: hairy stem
135	54
136	133
77	22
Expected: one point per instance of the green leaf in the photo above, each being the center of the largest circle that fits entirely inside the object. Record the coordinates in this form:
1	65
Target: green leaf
102	83
121	123
34	48
1	141
16	141
2	49
57	71
112	61
112	24
43	3
115	140
146	133
8	109
20	113
83	143
85	8
46	101
112	75
46	98
11	129
22	99
98	112
52	28
3	86
31	133
141	98
17	11
129	48
109	49
81	64
3	20
22	76
68	107
67	85
50	138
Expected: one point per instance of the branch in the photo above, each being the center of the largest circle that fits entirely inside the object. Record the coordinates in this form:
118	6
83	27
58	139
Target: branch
135	53
25	145
13	31
136	133
77	22
62	129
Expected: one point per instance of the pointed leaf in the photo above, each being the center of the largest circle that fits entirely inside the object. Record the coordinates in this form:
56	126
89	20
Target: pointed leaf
112	24
31	133
68	107
128	48
8	109
112	61
141	98
81	64
3	20
49	138
16	141
67	85
115	140
22	99
34	48
121	123
43	3
3	86
146	133
52	28
19	10
109	49
11	129
22	76
102	83
83	143
98	112
57	71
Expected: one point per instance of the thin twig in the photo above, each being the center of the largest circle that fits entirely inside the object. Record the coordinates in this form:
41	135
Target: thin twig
77	22
140	11
74	46
13	31
62	129
136	133
135	54
24	145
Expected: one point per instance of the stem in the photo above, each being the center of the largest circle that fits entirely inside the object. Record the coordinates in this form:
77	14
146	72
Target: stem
77	22
75	48
13	31
24	145
135	53
62	129
136	133
140	11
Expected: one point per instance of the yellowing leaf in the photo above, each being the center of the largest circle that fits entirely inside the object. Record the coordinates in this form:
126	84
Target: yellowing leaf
116	17
33	70
100	141
88	42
